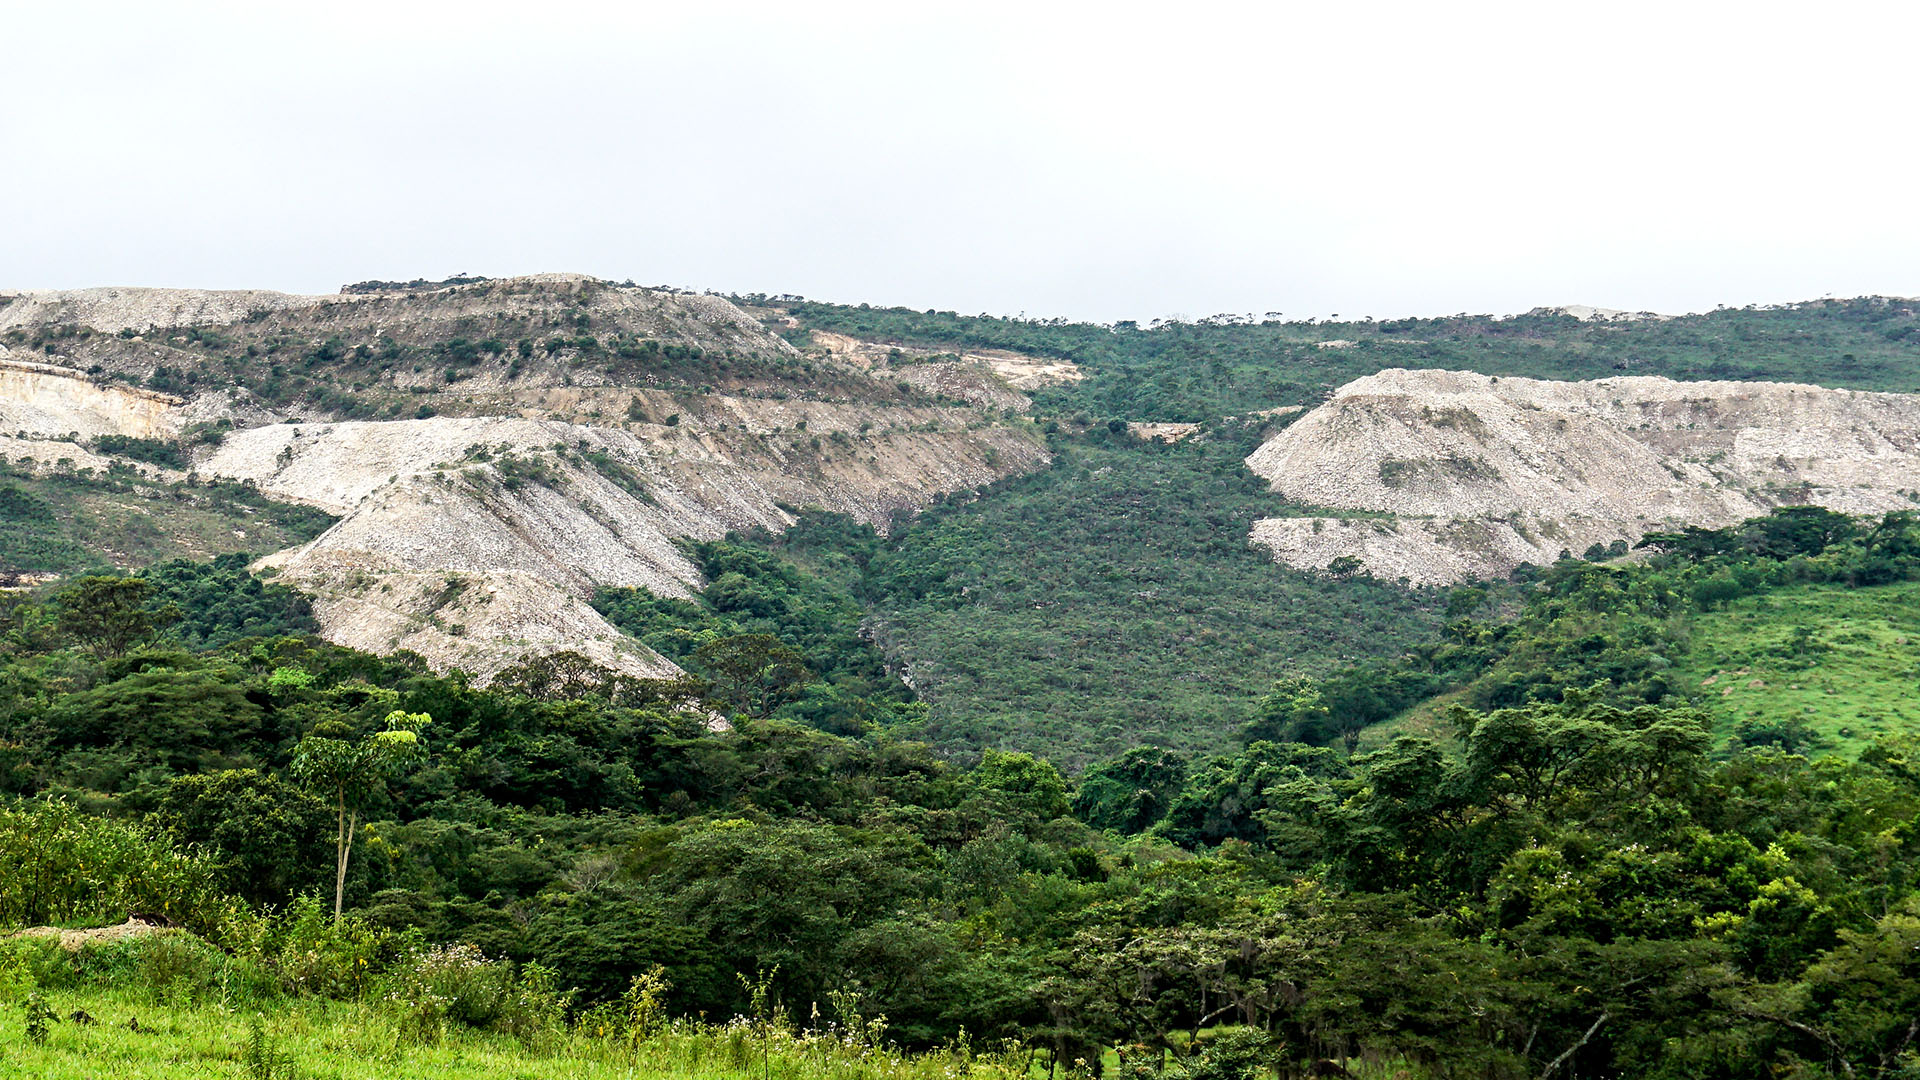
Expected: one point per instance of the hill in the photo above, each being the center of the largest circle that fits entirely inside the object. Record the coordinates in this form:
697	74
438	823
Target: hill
1058	515
495	450
1472	475
1226	365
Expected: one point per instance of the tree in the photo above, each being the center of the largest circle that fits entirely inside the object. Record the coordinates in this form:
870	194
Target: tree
1020	784
351	772
1130	794
753	673
267	829
108	615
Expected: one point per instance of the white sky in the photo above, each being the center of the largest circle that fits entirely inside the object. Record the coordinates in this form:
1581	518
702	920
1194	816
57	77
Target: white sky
1098	161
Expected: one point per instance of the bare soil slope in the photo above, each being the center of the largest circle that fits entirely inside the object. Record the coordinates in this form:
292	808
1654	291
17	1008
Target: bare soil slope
1439	475
547	435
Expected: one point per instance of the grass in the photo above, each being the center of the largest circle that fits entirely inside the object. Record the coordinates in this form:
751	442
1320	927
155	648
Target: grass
311	1038
1841	665
1845	662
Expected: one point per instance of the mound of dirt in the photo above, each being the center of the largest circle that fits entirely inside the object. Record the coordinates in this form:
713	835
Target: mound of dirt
1481	473
75	940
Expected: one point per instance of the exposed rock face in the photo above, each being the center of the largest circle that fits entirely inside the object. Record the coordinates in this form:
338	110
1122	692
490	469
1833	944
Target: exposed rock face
477	539
993	378
1473	475
41	399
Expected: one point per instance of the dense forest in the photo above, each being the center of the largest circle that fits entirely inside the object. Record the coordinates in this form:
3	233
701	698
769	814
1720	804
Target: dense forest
1573	873
1108	601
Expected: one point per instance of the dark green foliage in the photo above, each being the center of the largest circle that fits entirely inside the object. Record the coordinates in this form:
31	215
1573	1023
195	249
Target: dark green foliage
269	834
1132	793
219	601
773	637
68	520
18	505
153	451
108	615
1578	882
1114	599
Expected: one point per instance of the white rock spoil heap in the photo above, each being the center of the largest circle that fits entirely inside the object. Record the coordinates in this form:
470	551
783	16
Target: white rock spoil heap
1437	476
476	538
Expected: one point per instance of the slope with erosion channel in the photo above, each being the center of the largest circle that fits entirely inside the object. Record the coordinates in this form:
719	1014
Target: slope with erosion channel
581	430
1442	475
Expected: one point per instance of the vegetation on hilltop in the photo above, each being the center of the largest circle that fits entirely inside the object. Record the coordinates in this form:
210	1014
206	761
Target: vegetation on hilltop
397	349
1228	365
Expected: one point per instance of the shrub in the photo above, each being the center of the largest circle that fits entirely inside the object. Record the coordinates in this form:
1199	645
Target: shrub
58	865
459	984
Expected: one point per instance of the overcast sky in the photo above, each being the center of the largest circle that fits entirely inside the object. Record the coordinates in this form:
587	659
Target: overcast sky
1091	160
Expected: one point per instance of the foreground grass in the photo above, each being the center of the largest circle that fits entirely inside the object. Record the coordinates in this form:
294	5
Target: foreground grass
1841	661
369	1041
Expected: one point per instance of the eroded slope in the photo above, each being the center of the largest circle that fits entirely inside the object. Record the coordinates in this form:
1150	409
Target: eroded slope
1438	475
499	449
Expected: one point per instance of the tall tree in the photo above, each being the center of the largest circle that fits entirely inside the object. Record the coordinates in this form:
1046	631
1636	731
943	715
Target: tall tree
350	772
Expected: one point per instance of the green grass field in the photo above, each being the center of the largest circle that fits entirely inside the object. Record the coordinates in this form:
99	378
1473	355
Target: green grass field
1845	662
312	1039
1840	665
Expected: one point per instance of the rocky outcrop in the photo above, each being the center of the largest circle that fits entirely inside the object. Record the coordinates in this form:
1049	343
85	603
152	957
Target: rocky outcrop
44	400
1439	475
539	513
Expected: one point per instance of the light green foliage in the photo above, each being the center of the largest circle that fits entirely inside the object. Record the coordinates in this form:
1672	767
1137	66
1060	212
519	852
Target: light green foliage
60	866
1814	668
457	984
366	1041
348	772
1020	786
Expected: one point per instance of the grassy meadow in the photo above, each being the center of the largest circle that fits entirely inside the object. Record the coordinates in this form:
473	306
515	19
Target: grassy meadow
1843	662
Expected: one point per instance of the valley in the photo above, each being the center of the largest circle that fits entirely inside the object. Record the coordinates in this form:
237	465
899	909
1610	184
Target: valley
550	676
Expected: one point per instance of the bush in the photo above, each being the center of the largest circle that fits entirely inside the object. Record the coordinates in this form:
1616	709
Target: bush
58	865
318	954
152	451
459	984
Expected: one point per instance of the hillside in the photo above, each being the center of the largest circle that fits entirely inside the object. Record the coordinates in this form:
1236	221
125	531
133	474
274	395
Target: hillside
1819	669
1007	751
1228	365
500	452
1112	601
495	450
1471	475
